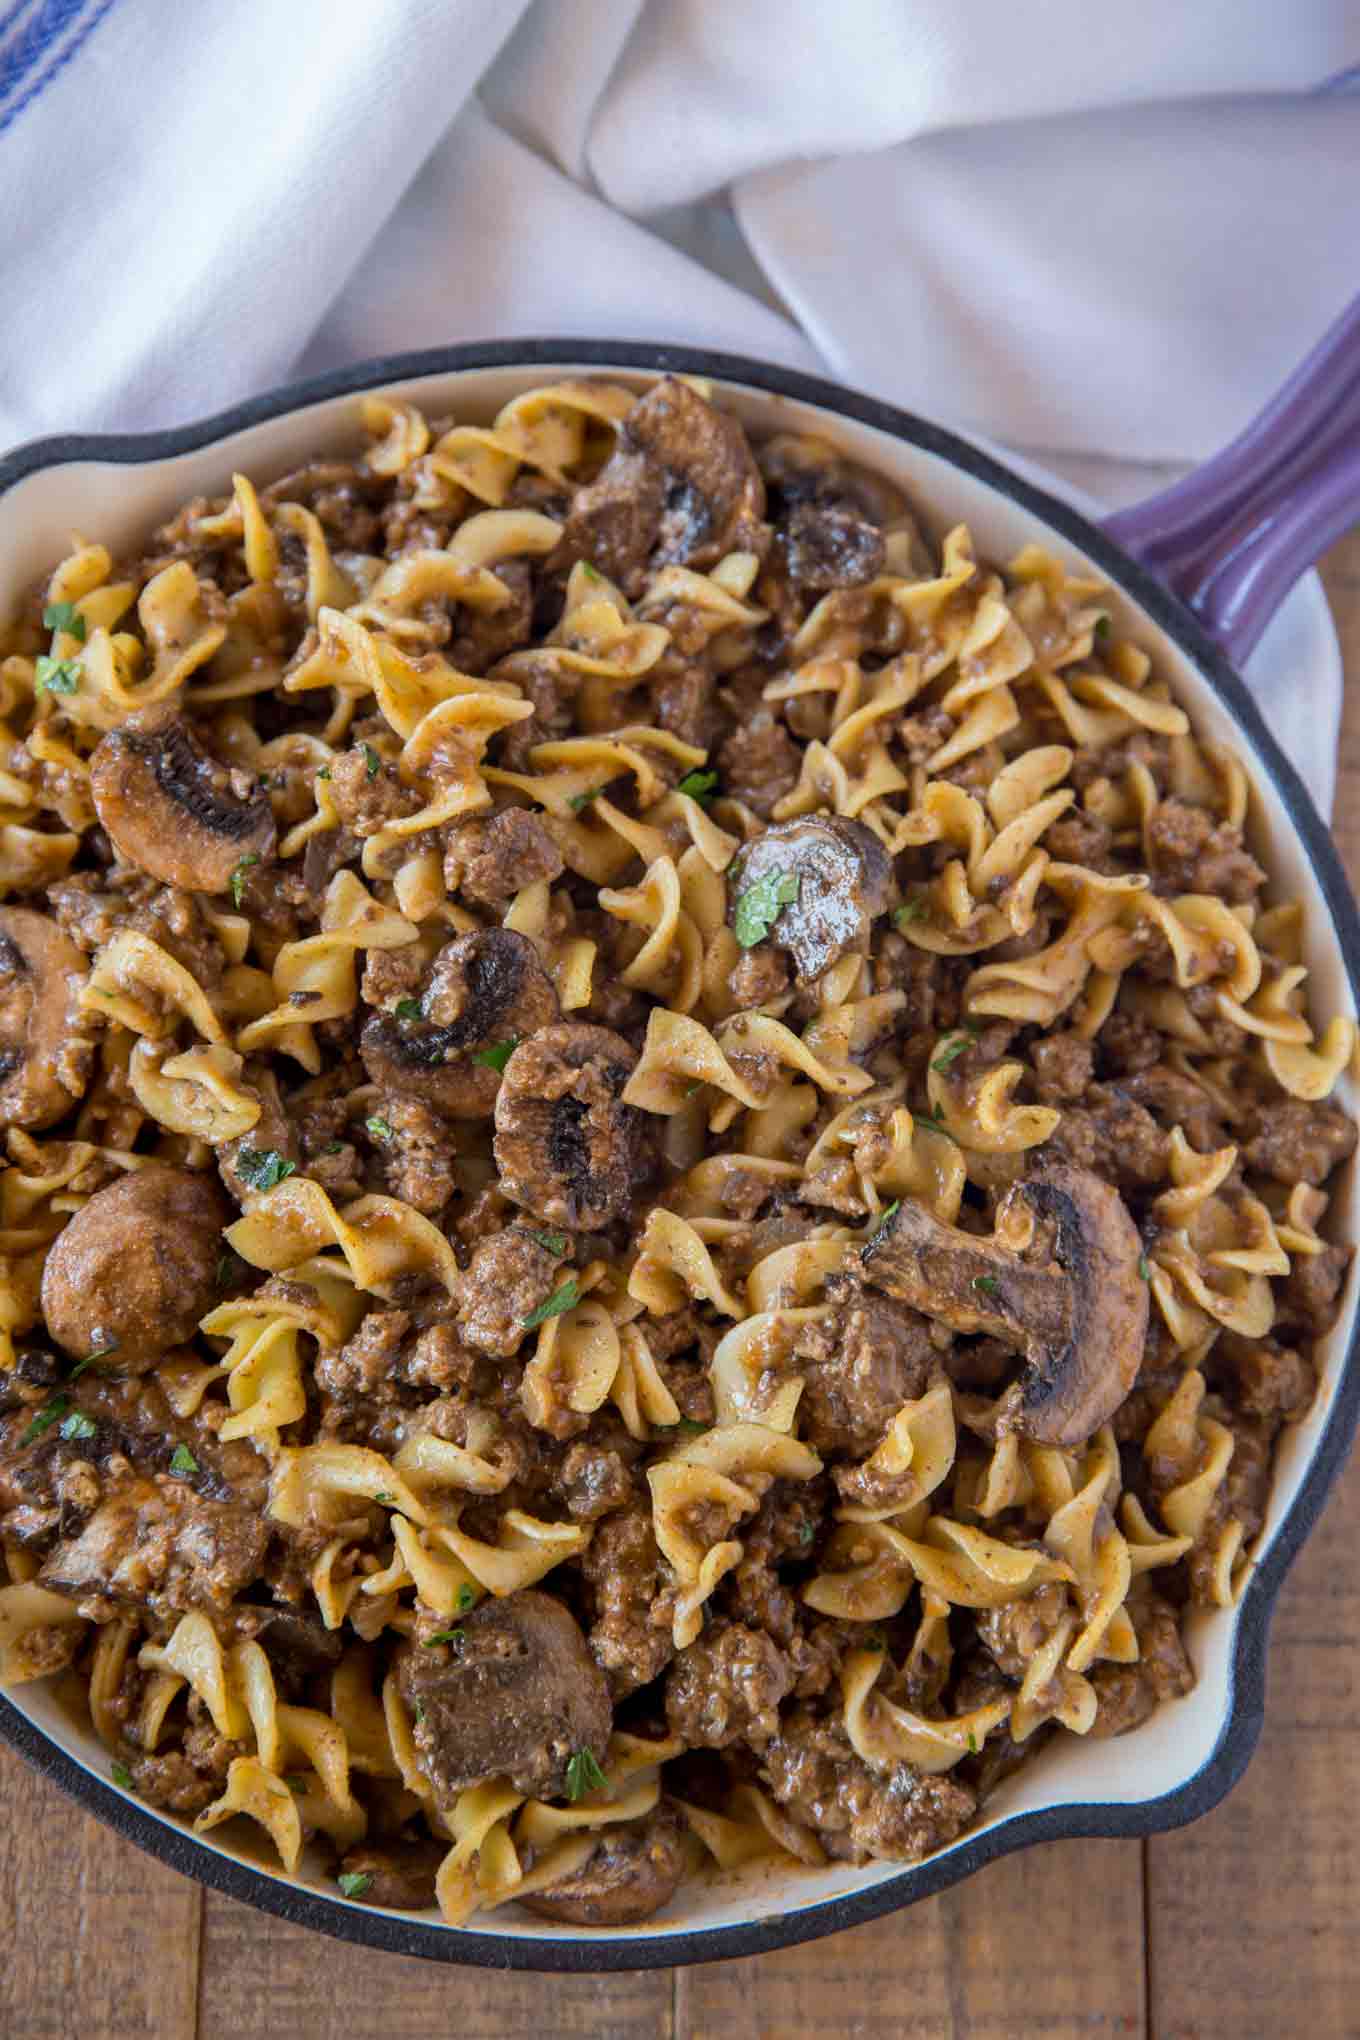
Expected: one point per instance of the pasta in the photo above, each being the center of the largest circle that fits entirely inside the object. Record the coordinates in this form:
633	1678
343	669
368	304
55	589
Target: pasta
666	1167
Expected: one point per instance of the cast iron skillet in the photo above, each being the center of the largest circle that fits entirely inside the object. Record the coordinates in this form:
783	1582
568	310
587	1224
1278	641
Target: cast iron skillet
1232	539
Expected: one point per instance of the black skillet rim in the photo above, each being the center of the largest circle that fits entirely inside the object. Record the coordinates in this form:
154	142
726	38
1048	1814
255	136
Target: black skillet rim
1245	1713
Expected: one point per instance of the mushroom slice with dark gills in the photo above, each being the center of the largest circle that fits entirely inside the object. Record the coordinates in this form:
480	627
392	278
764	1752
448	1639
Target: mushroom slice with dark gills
812	887
634	1870
567	1148
44	1050
1079	1317
681	488
485	992
174	810
136	1268
514	1694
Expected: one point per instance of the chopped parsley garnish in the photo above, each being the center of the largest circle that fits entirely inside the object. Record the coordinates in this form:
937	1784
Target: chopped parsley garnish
263	1168
182	1462
95	1359
419	1710
700	786
296	1785
806	1533
388	1501
56	676
1103	626
65	616
988	1284
972	1744
884	1216
759	906
498	1055
381	1129
453	1636
691	1426
121	1775
371	760
466	1598
324	773
226	1270
953	1045
408	1009
577	801
935	1125
584	1774
875	1640
354	1883
1145	1267
554	1242
46	1417
566	1297
912	910
240	874
78	1425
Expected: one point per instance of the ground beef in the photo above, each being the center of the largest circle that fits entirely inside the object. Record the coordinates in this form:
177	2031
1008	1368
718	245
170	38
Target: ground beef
1295	1142
1188	852
399	1874
367	1363
1079	838
171	1781
759	763
1112	1134
1174	1099
160	1546
367	793
859	1366
510	1275
417	1156
726	1688
1126	1044
922	734
1015	1633
593	1481
683	701
1127	1694
393	974
1063	1067
930	983
489	861
759	976
621	1567
92	907
1263	1378
901	1813
1310	1295
481	636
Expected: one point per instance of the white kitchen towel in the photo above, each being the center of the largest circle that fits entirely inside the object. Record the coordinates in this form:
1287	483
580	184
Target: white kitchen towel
1074	230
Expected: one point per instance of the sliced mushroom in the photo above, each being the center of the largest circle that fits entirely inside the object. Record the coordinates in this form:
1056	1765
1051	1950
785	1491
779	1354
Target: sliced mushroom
175	811
820	881
1079	1319
567	1149
44	1052
136	1268
515	1695
681	487
484	991
800	467
634	1870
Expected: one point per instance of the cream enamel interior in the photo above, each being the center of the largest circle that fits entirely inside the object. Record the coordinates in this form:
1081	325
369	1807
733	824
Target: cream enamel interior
115	503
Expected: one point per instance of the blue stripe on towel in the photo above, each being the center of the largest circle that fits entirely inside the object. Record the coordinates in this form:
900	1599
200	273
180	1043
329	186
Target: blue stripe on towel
44	45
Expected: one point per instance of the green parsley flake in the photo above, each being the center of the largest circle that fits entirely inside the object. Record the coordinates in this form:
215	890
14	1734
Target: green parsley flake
263	1168
577	801
759	906
408	1009
988	1284
553	1242
46	1417
564	1298
453	1636
1145	1267
972	1744
913	910
690	1426
935	1125
226	1270
371	760
238	876
700	786
591	573
1103	626
953	1045
56	676
95	1359
806	1533
297	1786
876	1640
884	1216
584	1774
419	1710
333	1147
466	1598
498	1055
78	1425
324	773
354	1883
65	616
381	1129
121	1775
388	1501
182	1462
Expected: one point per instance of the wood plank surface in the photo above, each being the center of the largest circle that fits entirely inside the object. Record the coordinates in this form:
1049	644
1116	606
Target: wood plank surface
1239	1927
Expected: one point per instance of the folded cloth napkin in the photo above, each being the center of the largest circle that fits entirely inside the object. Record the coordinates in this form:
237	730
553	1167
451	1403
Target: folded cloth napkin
1077	231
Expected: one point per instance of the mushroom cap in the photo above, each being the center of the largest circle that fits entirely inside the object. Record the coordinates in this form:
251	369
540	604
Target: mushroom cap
566	1146
484	989
45	1054
843	874
136	1268
175	811
1080	1320
634	1871
516	1697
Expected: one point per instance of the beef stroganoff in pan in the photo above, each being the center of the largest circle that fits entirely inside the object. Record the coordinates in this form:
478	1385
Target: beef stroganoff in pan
666	1161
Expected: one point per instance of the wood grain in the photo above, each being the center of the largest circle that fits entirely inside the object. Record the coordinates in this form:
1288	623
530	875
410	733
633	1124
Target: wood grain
1240	1926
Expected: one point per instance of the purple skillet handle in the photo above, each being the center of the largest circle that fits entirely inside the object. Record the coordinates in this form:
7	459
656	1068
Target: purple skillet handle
1232	538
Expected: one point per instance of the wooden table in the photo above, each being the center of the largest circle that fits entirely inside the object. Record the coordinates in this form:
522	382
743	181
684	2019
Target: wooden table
1243	1925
